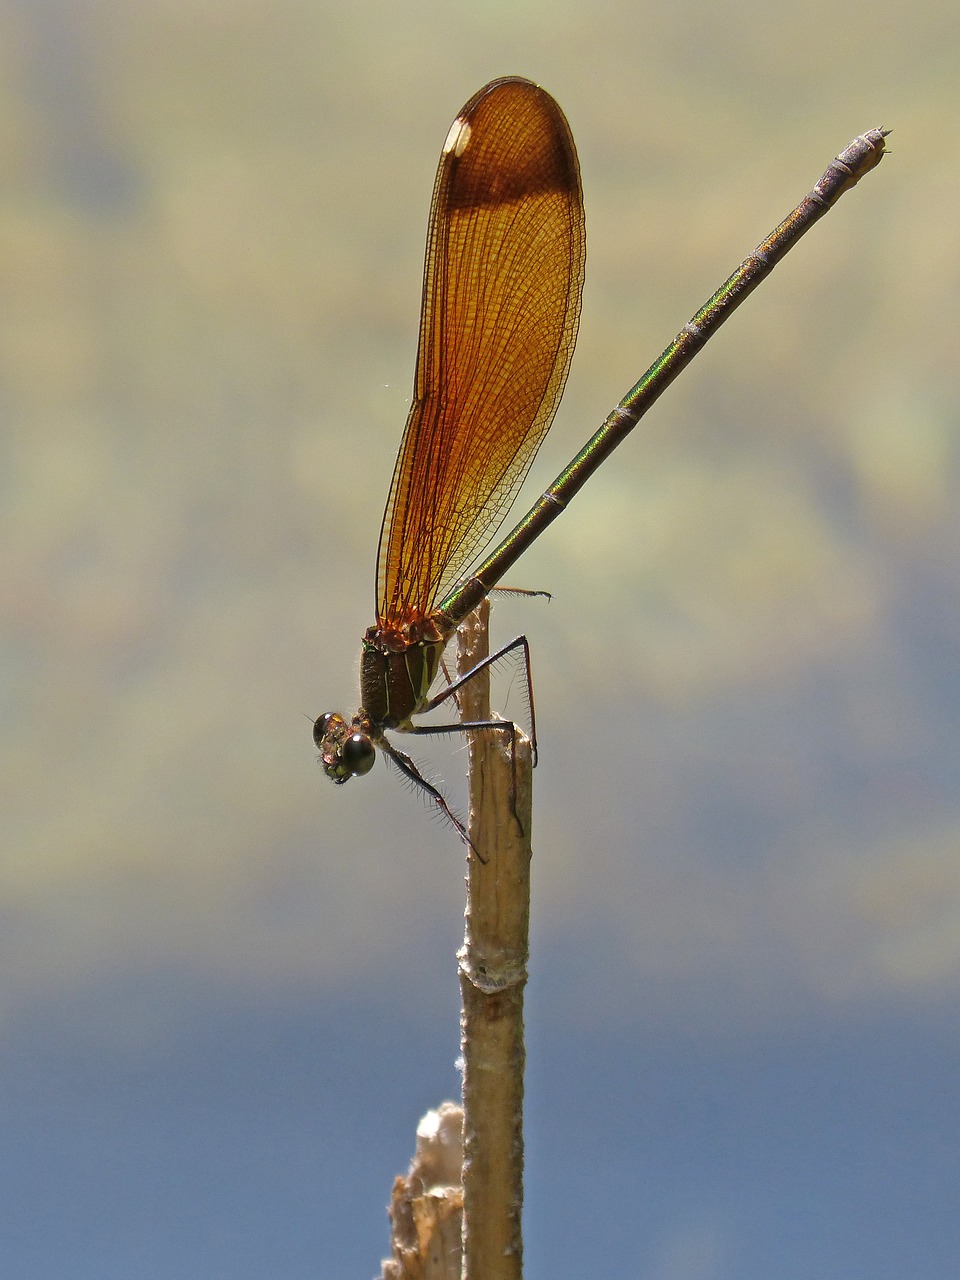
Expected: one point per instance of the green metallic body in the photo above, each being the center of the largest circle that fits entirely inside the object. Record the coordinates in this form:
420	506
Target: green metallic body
399	663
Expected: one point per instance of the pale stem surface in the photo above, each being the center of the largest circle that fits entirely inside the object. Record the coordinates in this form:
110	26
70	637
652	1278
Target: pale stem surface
493	972
426	1207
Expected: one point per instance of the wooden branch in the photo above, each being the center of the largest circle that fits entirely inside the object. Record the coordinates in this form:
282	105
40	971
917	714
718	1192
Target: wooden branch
493	973
426	1208
456	1215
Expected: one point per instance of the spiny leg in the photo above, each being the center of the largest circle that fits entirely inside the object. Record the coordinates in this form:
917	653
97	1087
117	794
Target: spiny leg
407	767
466	726
451	688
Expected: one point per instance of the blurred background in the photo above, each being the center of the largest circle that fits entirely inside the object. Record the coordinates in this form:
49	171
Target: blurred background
228	990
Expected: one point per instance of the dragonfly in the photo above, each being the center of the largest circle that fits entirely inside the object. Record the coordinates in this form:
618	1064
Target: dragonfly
500	310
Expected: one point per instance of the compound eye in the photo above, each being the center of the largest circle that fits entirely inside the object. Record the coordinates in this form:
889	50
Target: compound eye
322	726
358	754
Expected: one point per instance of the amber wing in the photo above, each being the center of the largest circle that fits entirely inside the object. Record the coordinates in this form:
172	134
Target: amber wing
501	305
